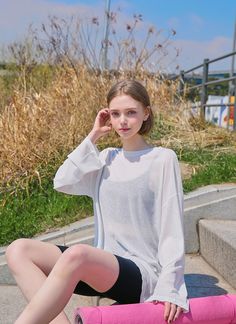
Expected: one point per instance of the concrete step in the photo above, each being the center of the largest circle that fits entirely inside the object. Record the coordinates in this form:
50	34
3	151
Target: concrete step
211	202
77	230
202	279
66	234
218	246
204	195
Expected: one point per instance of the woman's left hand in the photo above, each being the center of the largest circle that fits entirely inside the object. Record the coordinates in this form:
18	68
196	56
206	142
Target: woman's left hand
171	311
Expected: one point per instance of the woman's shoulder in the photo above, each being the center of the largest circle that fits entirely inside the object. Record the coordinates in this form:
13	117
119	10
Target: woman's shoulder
109	153
110	150
165	165
164	153
164	158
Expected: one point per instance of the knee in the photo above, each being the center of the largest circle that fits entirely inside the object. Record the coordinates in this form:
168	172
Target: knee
76	256
16	251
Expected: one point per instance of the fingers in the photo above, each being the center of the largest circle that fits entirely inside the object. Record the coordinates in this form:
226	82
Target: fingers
171	312
178	312
104	113
101	123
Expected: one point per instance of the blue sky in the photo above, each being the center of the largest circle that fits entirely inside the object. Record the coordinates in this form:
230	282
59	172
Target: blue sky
193	19
204	28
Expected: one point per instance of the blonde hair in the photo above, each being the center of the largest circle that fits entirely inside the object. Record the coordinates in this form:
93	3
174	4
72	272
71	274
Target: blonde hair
138	92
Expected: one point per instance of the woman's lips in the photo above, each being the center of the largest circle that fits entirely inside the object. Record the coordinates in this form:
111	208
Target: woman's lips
124	129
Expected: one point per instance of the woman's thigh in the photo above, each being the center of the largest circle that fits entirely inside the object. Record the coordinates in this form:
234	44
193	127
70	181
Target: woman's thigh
96	267
125	289
44	255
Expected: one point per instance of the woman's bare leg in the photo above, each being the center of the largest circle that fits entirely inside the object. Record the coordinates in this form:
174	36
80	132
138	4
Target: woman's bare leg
98	268
30	262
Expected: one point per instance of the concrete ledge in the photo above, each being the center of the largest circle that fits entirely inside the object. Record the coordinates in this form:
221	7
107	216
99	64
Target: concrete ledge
218	246
65	234
208	193
221	208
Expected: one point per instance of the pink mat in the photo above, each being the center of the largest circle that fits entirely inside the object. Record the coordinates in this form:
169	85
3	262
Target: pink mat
203	310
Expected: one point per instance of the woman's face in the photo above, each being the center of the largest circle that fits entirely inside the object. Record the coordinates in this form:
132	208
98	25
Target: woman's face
127	115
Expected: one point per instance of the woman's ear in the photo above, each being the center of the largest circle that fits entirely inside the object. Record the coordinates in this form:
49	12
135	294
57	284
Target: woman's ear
146	113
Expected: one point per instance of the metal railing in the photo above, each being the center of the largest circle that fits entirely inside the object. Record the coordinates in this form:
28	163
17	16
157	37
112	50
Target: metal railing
203	87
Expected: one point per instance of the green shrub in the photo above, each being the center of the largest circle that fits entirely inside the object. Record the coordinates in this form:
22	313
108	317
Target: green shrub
37	210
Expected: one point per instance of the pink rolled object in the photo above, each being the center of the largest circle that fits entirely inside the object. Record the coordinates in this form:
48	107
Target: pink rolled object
203	310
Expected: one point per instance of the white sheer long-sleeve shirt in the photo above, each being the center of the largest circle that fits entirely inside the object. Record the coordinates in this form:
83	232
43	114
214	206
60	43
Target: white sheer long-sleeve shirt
138	209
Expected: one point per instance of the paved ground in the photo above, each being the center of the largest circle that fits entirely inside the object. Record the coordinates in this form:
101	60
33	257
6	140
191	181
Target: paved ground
201	280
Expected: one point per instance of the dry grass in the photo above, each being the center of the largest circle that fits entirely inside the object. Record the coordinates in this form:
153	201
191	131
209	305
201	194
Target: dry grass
39	129
191	133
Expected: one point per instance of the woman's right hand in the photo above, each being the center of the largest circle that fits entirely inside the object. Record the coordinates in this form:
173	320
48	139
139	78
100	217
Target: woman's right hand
101	125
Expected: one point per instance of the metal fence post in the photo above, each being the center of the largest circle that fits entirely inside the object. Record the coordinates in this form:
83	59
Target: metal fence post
234	124
181	82
204	88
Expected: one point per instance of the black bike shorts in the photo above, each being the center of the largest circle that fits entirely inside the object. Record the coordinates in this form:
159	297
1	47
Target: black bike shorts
126	290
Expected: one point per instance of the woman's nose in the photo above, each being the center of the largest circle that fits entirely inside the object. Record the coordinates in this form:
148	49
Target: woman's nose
123	119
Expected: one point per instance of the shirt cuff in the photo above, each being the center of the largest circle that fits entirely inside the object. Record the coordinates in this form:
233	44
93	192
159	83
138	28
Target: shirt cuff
174	300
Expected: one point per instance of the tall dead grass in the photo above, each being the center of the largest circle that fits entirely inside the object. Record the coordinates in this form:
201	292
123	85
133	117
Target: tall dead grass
190	132
39	129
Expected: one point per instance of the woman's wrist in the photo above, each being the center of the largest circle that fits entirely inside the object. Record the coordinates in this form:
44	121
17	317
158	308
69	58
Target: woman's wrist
93	136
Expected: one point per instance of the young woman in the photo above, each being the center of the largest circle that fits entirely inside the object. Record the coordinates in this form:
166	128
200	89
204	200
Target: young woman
138	207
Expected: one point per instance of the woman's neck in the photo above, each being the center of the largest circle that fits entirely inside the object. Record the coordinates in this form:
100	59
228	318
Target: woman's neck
135	143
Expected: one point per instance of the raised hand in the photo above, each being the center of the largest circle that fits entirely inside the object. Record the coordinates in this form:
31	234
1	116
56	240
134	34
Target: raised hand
101	125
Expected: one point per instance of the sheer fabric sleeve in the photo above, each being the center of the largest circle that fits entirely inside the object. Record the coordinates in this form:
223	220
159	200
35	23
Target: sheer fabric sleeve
78	174
171	250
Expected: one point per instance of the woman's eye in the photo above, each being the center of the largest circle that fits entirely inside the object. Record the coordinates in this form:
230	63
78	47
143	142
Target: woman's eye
131	112
114	114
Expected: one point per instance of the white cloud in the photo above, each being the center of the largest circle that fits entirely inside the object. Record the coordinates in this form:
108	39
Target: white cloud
192	53
15	15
